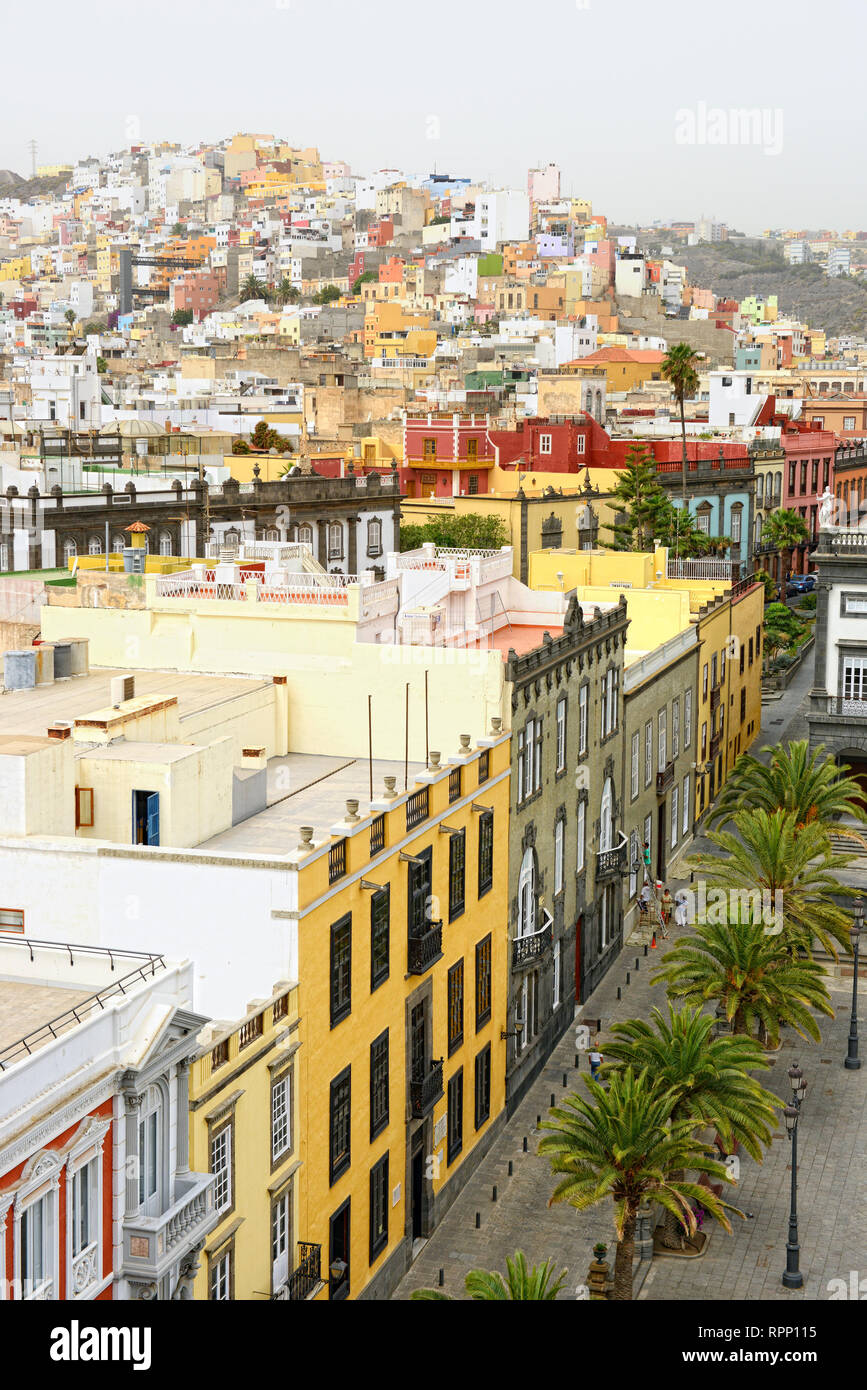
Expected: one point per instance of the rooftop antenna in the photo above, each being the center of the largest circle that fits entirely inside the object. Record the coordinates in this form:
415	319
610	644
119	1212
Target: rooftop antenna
32	147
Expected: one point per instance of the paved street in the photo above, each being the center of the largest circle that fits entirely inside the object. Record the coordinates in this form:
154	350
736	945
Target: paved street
745	1265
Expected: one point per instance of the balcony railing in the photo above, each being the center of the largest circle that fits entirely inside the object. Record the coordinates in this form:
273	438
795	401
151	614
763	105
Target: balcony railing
715	693
152	1244
528	949
611	861
843	706
303	1280
417	807
665	778
425	949
715	743
425	1089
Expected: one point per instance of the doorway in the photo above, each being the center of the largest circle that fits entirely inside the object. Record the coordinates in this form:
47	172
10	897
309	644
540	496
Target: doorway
417	1186
338	1254
145	818
578	926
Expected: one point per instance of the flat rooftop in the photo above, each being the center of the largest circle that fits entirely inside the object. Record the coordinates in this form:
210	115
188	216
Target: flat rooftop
31	711
518	637
318	788
26	1008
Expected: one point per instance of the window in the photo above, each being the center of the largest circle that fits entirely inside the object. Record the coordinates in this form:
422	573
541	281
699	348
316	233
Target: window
484	765
220	1283
606	817
529	759
662	721
561	735
378	1207
527	894
557	978
558	856
339	1124
455	1131
483	1086
685	826
848	422
582	720
455	788
374	537
704	682
472	450
148	1150
580	441
430	448
305	535
675	727
457	873
456	1006
473	485
634	859
377	836
544	443
486	852
483	982
582	819
636	753
687	719
378	1084
341	969
674	814
85	1198
281	1117
221	1165
750	652
337	861
703	742
648	753
165	543
380	926
742	653
11	919
335	541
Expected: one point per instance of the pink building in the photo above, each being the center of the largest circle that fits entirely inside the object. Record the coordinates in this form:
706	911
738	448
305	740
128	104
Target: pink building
543	185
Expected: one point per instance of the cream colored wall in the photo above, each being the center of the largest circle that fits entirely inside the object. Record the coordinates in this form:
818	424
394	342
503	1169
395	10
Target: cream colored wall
37	791
257	720
326	671
195	794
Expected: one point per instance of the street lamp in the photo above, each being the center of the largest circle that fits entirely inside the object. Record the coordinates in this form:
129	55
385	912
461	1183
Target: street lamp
853	1062
792	1276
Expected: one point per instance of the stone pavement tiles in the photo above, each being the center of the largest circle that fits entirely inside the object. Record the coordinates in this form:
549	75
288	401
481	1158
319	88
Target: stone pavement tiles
832	1165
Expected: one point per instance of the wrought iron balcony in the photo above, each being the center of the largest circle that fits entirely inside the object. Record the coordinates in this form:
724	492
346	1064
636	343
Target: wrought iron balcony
307	1277
715	693
425	1089
152	1244
424	950
665	778
610	862
526	950
715	743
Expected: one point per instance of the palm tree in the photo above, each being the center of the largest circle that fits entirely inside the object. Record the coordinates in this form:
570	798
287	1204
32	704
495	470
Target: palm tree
286	292
774	863
70	316
784	530
707	1078
759	988
524	1283
813	786
626	1147
678	367
254	289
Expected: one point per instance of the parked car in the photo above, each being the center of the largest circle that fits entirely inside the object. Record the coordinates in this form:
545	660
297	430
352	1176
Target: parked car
800	584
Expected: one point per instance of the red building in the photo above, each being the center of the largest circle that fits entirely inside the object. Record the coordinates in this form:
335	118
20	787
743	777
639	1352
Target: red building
198	290
446	455
808	471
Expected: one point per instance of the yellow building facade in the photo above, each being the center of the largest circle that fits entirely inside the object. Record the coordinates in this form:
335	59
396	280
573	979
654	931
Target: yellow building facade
244	1128
403	941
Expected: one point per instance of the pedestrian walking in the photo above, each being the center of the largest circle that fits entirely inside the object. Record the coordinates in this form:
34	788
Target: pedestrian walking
595	1059
680	908
666	909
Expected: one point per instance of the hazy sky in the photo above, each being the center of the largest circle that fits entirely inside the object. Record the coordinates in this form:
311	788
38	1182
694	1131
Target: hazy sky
484	89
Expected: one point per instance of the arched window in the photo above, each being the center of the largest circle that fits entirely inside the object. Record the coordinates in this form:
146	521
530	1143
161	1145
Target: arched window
527	895
271	534
606	817
70	550
94	546
150	1143
735	523
117	545
165	543
305	534
374	537
335	541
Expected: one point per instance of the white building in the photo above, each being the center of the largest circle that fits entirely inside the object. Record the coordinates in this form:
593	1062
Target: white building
65	391
501	216
734	398
630	274
543	185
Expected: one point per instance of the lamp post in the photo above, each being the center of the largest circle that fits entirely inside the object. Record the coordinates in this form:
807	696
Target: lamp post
853	1061
792	1276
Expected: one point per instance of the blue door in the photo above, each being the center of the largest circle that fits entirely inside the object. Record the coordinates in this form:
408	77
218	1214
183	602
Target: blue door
145	818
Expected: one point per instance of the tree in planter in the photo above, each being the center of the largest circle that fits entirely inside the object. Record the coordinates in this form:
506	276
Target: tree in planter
470	531
624	1146
791	868
810	785
782	628
760	988
678	367
523	1284
784	530
707	1078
